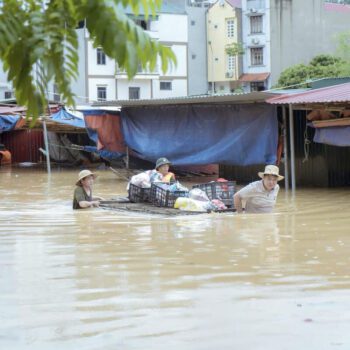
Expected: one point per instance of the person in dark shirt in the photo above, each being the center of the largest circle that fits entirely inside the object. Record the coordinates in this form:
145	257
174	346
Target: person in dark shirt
83	192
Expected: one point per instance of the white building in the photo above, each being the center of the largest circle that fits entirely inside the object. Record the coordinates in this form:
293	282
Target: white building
106	81
256	31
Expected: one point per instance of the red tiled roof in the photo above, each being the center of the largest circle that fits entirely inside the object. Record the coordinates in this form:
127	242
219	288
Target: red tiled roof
331	94
249	77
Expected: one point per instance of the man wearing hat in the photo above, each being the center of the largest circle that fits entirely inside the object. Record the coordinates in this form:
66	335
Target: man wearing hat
260	196
83	192
162	172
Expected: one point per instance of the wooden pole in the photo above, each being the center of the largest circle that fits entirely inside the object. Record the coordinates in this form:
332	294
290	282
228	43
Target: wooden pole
285	147
48	164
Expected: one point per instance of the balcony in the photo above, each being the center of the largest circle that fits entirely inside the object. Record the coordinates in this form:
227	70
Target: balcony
141	73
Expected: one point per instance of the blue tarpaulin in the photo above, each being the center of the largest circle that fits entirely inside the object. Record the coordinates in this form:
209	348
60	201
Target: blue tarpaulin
194	135
64	117
335	136
8	122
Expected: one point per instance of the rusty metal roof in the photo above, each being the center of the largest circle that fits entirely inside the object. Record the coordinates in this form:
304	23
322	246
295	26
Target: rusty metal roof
251	97
332	94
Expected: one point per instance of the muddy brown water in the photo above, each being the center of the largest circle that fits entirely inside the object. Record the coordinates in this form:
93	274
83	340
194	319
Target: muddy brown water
99	279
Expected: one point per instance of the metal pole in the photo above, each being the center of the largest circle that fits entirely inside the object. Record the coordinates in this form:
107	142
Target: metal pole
127	158
291	141
285	147
47	148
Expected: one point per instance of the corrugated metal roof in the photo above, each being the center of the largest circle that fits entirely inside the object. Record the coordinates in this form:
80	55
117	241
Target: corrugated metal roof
252	97
332	94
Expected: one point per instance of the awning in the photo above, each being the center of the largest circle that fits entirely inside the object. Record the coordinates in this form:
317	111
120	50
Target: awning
250	77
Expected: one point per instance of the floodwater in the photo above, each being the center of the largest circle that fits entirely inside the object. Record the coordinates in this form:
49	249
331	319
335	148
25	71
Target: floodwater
98	279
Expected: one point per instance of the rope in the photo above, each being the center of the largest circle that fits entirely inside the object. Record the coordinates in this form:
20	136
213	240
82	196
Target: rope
307	143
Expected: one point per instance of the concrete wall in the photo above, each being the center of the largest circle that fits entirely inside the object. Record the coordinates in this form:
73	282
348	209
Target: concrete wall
303	29
197	51
79	86
123	85
109	83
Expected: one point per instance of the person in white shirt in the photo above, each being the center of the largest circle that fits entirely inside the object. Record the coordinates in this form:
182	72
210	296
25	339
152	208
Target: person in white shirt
260	196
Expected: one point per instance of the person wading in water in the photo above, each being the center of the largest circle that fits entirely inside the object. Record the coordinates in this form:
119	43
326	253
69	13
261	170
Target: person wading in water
83	192
260	196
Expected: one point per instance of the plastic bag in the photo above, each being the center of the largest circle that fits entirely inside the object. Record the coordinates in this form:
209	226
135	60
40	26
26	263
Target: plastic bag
199	195
190	204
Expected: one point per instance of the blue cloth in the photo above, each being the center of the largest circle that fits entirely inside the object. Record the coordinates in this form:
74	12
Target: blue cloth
8	122
193	135
335	136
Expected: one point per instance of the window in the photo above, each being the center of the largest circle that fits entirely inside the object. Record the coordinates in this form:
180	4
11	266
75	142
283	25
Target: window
257	86
134	93
8	95
230	26
101	57
145	25
256	56
231	63
56	95
101	93
165	85
256	24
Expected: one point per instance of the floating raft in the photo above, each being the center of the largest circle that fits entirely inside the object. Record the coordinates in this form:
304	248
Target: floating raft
123	204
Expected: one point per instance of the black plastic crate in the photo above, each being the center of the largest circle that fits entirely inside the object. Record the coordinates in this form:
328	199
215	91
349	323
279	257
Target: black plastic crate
138	194
165	198
223	191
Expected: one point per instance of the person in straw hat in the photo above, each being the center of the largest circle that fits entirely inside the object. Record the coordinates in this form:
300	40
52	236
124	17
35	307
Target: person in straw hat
83	192
260	196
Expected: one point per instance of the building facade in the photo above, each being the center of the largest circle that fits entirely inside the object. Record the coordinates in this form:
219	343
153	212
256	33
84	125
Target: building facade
106	81
223	32
256	31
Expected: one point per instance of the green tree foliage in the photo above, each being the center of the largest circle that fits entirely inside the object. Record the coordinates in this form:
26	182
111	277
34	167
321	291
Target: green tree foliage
321	66
235	49
38	43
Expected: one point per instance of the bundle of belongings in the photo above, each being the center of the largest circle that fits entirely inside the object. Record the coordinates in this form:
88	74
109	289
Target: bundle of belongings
198	201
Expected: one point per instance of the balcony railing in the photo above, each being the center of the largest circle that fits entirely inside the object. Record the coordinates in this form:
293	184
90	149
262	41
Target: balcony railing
140	71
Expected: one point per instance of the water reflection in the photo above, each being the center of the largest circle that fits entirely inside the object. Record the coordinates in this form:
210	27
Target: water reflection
98	279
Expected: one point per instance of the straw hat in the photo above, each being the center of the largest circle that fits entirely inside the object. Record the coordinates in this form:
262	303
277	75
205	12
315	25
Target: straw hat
271	170
83	174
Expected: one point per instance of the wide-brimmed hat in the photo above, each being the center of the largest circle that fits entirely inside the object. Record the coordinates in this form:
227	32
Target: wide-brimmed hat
83	174
162	161
271	170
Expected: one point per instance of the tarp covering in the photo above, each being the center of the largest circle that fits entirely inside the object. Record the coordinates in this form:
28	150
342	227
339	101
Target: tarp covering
8	122
64	117
108	128
335	136
192	135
